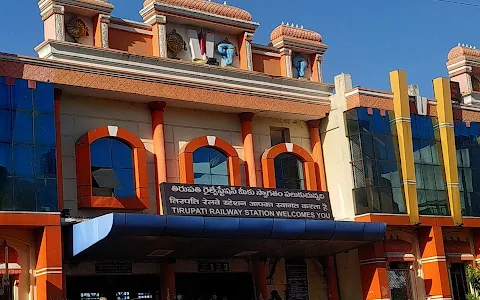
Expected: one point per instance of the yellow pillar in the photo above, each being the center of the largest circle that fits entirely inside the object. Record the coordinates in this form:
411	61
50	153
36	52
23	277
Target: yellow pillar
401	108
441	87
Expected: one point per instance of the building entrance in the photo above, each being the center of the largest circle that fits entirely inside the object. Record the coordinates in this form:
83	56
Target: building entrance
211	286
114	287
459	282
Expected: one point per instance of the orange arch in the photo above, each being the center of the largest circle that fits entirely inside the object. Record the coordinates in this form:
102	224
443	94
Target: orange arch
84	174
268	165
186	158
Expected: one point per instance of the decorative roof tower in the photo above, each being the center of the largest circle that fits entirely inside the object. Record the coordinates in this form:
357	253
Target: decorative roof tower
81	21
301	49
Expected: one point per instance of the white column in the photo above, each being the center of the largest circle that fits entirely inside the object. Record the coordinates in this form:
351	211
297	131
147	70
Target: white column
104	21
54	22
287	54
319	60
248	45
160	21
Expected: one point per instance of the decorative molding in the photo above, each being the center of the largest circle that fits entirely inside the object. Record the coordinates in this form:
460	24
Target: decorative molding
95	6
59	27
249	55
130	29
167	9
156	19
359	91
104	31
271	54
182	73
162	40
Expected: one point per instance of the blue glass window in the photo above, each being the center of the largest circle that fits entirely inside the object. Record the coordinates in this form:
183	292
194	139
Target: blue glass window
46	192
43	98
45	162
44	130
6	126
289	172
27	154
22	127
6	159
23	158
375	162
22	96
467	141
4	94
429	174
210	167
112	168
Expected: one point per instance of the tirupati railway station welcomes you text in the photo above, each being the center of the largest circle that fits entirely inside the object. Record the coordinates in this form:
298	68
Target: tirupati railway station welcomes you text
244	202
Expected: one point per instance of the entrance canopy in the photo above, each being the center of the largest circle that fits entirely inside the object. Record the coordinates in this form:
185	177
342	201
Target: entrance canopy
142	237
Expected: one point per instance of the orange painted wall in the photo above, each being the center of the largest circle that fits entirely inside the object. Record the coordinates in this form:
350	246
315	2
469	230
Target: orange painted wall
266	64
135	43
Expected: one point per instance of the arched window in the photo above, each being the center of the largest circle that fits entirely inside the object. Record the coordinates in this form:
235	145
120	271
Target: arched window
209	160
112	168
289	172
288	166
210	166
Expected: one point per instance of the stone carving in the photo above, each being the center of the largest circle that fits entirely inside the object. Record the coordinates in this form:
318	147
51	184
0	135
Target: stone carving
76	28
227	50
175	43
300	64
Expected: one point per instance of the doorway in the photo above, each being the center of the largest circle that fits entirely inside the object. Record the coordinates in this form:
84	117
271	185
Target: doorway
208	286
116	287
459	282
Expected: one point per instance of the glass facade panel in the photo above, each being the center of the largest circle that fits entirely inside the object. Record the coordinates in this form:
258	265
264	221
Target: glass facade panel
467	142
375	162
210	167
429	173
27	155
112	168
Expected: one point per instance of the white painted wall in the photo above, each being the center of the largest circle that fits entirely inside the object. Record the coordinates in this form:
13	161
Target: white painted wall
336	151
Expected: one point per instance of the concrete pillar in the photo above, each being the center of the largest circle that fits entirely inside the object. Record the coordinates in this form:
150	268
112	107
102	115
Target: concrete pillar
336	151
441	88
260	277
48	273
317	154
245	48
401	107
434	263
248	148
54	23
332	284
158	130
317	74
159	30
58	142
100	27
168	282
373	268
286	62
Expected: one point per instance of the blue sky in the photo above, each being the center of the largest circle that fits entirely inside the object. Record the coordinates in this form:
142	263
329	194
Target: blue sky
366	38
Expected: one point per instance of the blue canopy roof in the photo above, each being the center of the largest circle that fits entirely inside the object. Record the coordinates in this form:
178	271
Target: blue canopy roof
140	236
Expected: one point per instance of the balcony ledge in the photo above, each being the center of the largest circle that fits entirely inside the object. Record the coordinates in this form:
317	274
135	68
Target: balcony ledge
170	71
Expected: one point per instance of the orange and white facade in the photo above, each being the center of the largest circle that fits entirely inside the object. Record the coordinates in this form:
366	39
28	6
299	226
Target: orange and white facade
121	81
185	97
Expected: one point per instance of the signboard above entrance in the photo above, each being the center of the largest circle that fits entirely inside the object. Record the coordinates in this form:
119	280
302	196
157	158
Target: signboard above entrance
244	202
